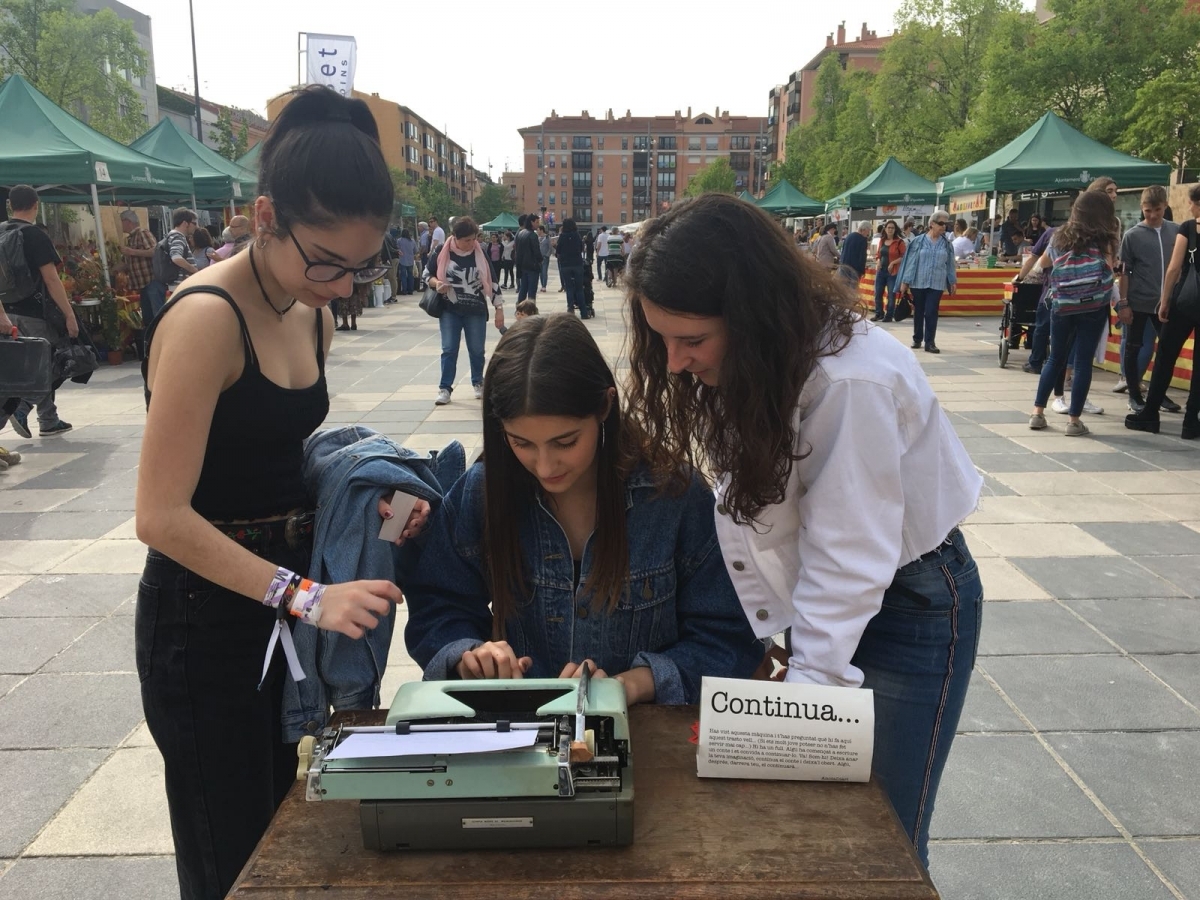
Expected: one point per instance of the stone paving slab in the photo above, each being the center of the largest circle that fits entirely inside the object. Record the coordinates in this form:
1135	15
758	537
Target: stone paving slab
1066	541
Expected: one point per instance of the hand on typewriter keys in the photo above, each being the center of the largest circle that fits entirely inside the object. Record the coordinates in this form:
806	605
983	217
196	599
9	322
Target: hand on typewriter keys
495	659
354	608
572	670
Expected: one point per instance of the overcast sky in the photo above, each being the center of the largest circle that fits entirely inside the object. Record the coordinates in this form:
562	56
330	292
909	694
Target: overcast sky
492	67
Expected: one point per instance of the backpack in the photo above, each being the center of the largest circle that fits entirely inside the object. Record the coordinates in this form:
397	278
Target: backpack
17	282
1079	282
163	269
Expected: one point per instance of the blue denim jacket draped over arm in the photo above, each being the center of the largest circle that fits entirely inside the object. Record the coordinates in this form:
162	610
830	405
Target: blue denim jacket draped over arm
680	615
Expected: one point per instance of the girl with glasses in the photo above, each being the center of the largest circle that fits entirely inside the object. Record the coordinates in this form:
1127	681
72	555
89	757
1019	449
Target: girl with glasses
235	382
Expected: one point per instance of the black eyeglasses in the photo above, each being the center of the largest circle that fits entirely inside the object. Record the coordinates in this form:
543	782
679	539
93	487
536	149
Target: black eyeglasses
941	222
325	272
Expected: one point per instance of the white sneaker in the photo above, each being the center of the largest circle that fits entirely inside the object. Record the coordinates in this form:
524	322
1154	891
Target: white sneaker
1060	405
1090	407
443	397
479	392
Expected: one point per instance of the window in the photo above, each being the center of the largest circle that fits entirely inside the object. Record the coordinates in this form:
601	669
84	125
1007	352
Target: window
551	162
666	160
411	154
624	162
581	143
641	181
410	131
739	161
582	214
600	217
551	181
539	161
581	161
694	159
704	120
624	143
551	143
539	198
739	142
641	142
711	143
428	161
666	197
694	143
441	149
600	180
624	199
581	180
539	179
624	180
666	179
624	217
600	142
666	143
599	199
539	143
599	161
563	200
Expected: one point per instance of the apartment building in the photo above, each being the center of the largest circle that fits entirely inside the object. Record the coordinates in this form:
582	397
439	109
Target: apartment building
143	85
610	170
414	146
791	105
181	107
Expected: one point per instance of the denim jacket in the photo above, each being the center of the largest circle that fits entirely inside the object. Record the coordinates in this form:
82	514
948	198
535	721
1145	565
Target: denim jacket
680	615
347	470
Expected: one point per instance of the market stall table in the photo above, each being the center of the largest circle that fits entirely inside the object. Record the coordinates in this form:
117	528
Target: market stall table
979	292
693	839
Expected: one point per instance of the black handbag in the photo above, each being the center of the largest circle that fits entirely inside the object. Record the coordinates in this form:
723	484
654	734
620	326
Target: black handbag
433	302
25	367
903	308
1186	299
74	360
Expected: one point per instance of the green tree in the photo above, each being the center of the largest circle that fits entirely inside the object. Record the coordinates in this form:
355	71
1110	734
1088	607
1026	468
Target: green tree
230	144
1089	62
1164	122
715	178
492	200
76	60
433	199
931	78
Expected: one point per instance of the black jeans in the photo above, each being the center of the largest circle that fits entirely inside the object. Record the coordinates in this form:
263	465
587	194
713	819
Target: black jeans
1174	334
1134	335
200	651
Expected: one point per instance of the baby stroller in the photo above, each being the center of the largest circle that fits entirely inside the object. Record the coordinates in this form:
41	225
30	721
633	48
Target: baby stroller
1020	314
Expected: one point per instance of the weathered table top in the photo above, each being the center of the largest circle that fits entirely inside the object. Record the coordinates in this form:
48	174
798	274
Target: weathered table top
693	839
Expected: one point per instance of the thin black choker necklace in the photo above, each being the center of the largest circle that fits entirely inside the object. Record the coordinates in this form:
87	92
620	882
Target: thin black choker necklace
274	308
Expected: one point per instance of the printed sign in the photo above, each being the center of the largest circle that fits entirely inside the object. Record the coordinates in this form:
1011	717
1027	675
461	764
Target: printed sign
102	172
795	732
332	59
964	203
896	210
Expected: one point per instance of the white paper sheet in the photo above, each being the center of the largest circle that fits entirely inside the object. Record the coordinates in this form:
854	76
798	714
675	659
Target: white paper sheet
423	743
798	732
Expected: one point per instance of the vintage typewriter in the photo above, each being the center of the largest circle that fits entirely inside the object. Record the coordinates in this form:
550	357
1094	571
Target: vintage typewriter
486	764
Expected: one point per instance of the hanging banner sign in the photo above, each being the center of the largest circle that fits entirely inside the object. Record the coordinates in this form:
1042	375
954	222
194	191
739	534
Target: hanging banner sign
963	203
902	211
332	59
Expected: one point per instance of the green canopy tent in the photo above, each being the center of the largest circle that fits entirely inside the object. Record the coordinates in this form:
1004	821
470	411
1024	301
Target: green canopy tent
502	222
748	197
249	159
890	185
784	199
67	161
1051	155
218	181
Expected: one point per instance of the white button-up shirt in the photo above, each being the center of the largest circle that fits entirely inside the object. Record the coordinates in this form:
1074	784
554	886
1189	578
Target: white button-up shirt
884	479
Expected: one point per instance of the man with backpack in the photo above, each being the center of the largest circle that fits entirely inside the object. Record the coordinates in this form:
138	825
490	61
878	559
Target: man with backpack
172	261
28	278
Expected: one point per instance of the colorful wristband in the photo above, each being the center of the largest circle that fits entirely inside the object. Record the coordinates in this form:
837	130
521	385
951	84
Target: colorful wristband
306	603
283	586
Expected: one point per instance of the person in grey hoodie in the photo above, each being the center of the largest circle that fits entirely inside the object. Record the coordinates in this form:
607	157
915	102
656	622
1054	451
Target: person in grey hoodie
1145	252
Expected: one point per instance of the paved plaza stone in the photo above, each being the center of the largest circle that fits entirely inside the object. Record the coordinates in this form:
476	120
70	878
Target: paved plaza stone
1074	776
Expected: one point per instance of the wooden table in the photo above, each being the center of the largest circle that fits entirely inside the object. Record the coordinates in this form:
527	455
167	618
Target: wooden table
693	839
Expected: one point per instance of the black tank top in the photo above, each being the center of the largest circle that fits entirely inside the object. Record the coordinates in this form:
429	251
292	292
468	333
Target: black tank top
254	460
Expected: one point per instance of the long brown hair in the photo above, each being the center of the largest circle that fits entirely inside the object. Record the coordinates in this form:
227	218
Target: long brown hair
717	256
1093	224
551	366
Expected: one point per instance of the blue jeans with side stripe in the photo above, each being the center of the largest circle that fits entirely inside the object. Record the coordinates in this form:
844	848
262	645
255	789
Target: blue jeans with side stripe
916	655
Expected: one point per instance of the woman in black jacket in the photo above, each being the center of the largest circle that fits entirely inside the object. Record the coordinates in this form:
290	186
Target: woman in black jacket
572	268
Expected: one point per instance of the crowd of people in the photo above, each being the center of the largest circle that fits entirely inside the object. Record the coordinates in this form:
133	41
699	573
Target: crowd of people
591	492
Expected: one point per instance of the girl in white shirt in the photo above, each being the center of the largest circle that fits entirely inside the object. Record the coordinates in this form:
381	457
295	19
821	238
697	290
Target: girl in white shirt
841	481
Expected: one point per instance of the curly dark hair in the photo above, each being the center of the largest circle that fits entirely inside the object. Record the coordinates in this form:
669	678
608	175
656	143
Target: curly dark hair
717	256
1093	224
